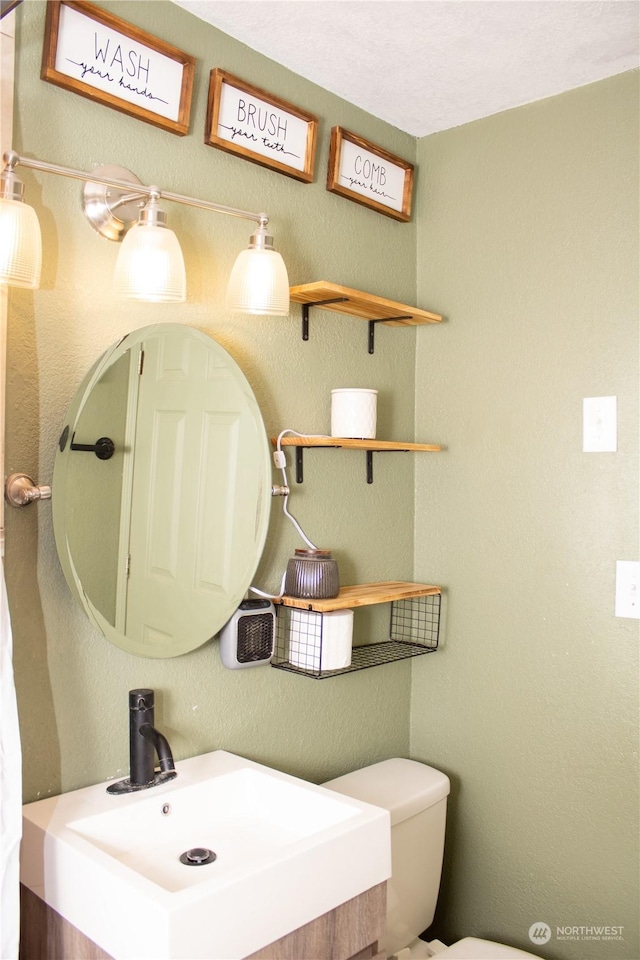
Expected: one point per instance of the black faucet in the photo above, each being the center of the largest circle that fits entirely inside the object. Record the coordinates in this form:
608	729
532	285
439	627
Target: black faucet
144	742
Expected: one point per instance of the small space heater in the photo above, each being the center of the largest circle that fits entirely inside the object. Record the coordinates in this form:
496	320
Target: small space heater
247	639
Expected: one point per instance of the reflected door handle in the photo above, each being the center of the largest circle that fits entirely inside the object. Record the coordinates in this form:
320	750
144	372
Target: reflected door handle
104	448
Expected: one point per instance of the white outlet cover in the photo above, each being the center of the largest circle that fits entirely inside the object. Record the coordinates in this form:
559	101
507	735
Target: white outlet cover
599	425
628	589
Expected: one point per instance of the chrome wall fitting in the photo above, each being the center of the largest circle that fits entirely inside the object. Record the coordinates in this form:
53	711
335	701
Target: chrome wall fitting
20	490
109	210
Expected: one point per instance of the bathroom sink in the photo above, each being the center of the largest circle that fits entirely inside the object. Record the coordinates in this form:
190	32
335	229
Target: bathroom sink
265	853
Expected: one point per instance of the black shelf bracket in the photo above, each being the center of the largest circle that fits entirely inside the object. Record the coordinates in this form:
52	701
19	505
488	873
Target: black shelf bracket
325	303
372	327
369	466
316	303
299	469
370	461
368	454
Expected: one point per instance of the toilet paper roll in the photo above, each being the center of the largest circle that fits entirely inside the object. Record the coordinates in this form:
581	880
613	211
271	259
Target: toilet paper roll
320	641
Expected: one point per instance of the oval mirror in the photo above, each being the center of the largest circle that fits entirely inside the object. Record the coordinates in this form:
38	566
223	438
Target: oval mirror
162	490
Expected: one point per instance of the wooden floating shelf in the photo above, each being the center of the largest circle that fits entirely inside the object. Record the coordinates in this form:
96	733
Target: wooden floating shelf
352	444
356	303
369	446
366	306
364	595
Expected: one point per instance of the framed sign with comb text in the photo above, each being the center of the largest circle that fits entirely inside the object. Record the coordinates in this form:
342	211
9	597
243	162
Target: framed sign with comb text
260	127
99	56
367	174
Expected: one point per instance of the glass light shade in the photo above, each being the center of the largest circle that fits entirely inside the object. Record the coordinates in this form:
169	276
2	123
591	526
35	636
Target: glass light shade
150	266
20	245
259	284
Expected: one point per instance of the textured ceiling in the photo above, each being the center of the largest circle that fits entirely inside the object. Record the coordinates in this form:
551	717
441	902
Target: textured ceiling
427	65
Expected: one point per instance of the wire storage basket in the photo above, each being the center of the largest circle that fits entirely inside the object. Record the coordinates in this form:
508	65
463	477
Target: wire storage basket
414	629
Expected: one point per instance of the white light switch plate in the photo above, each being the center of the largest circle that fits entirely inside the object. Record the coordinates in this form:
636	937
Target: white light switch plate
599	425
628	589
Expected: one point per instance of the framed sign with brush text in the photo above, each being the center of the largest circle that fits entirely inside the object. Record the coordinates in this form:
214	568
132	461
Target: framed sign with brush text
367	174
101	57
260	127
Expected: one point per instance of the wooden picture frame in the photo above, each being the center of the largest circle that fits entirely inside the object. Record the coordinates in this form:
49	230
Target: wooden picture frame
365	173
254	124
101	57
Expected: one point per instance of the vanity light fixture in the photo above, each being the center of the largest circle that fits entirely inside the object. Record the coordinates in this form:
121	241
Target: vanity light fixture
20	237
259	283
150	265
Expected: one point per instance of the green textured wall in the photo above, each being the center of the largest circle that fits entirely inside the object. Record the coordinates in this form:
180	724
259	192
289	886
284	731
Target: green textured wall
72	685
528	243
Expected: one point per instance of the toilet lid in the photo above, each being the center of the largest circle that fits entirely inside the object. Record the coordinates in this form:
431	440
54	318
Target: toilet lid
473	949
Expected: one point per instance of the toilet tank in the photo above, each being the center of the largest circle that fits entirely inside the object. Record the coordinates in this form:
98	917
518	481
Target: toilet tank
416	797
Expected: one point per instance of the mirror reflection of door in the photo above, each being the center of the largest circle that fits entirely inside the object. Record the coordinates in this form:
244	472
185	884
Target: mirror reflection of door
189	489
161	541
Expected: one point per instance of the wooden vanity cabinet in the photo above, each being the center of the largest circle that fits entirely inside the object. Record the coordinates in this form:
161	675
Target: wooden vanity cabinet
350	932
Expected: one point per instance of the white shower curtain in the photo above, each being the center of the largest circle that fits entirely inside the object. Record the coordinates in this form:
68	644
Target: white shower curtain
10	790
10	752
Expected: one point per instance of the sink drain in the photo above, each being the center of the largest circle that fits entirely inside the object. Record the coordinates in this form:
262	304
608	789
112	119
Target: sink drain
197	857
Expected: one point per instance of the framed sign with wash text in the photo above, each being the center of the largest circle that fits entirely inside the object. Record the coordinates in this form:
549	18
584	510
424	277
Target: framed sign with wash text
367	174
101	57
260	127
